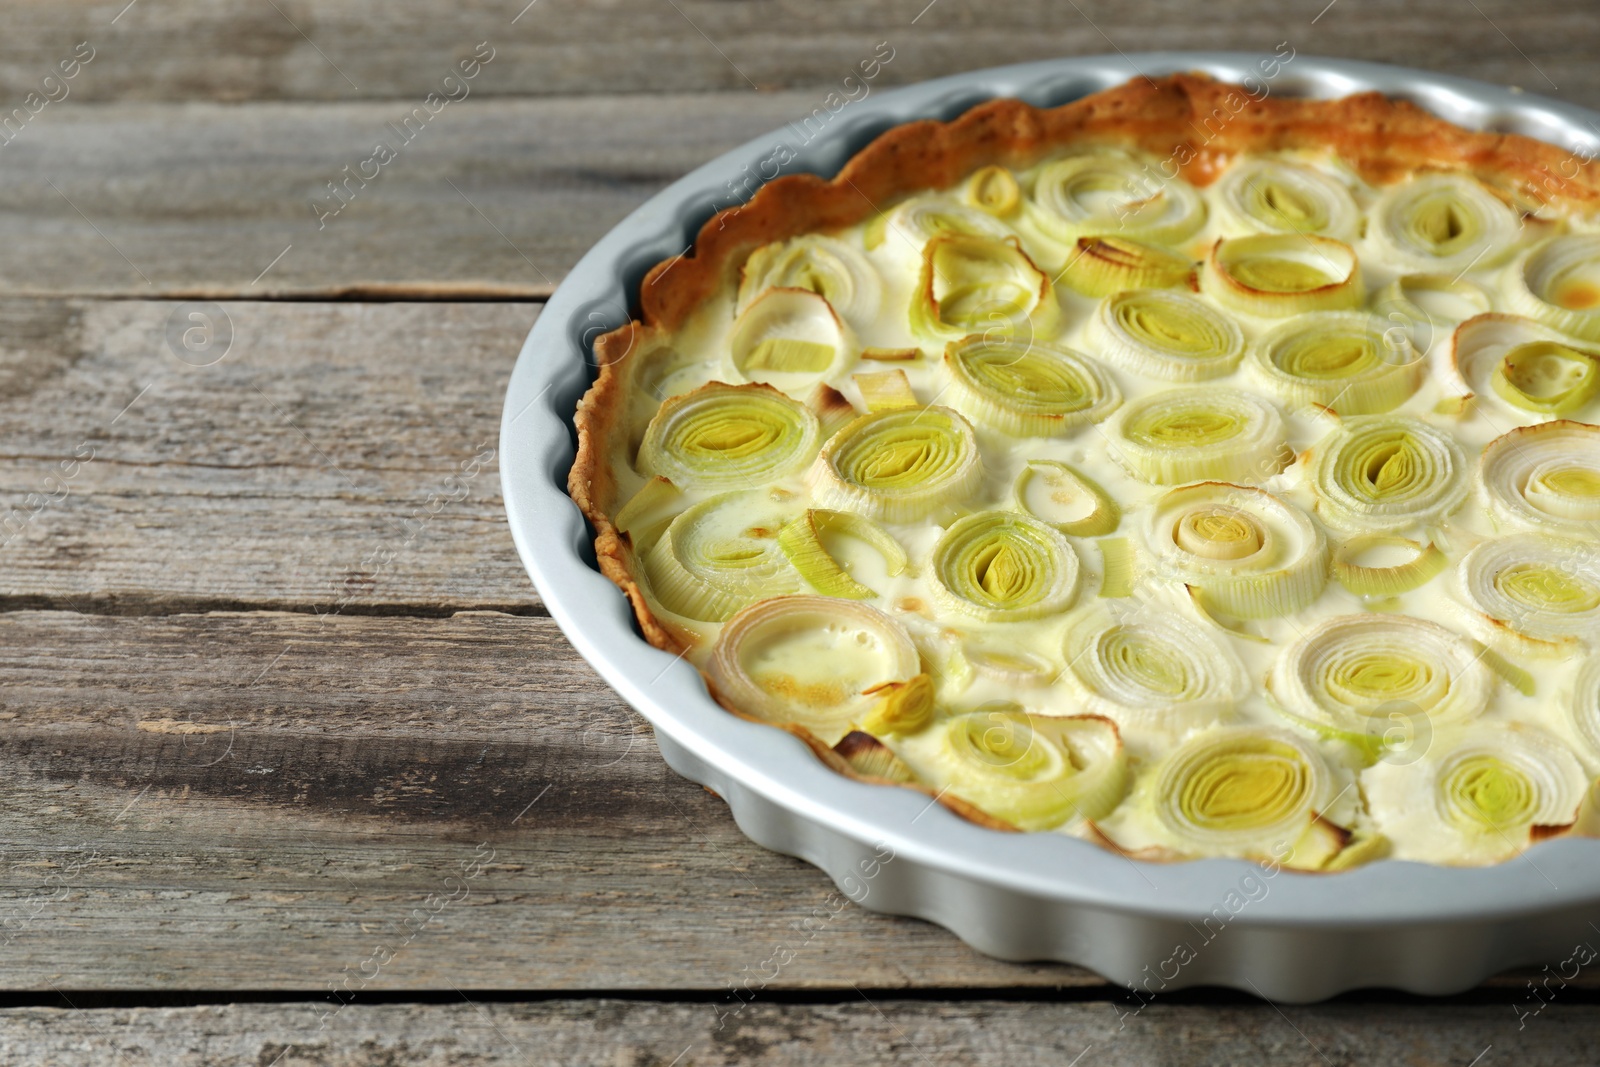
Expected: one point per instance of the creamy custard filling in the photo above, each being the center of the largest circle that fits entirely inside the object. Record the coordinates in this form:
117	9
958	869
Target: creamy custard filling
1255	519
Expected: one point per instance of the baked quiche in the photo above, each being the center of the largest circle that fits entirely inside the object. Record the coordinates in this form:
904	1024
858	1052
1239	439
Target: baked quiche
1195	486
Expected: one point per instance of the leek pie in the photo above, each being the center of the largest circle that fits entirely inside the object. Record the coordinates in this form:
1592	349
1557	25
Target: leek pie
1194	488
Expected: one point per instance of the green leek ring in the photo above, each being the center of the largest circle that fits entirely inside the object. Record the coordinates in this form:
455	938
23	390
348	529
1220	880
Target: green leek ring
1273	275
1166	334
1387	473
1034	772
1275	196
898	466
1442	223
719	555
1250	554
1195	434
1027	388
728	436
1545	476
1000	566
1113	193
1346	362
810	661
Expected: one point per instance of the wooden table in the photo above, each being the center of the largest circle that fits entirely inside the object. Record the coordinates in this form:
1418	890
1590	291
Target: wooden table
282	714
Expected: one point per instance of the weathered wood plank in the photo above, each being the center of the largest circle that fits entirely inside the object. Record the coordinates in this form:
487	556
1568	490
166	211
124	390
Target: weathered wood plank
879	1030
495	197
224	801
264	800
337	458
353	49
489	197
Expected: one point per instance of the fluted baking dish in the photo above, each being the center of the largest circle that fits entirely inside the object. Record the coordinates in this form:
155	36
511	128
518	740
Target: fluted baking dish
1153	927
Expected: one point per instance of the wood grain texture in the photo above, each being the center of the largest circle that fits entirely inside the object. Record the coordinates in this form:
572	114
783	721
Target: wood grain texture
264	800
979	1033
354	49
489	198
336	458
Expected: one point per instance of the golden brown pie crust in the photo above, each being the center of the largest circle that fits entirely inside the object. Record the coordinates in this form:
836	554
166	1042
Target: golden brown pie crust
1175	118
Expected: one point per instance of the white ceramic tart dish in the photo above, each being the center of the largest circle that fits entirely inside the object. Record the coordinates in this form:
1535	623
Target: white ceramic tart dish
1283	565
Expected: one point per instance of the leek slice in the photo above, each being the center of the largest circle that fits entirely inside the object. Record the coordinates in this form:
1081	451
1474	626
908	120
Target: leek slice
1387	473
1241	790
804	542
1584	708
1101	266
1166	334
1027	388
1529	371
1113	192
1011	667
1274	196
1229	624
1442	223
1119	571
1558	283
902	707
898	466
1350	675
912	223
810	661
1066	498
719	555
1545	476
1587	823
833	270
885	390
995	190
791	339
1363	848
970	284
1546	378
871	759
1250	554
891	355
1479	795
1506	671
1428	306
1276	275
1541	589
999	566
1188	435
1418	565
656	501
1344	361
1152	670
1484	791
1034	772
728	436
